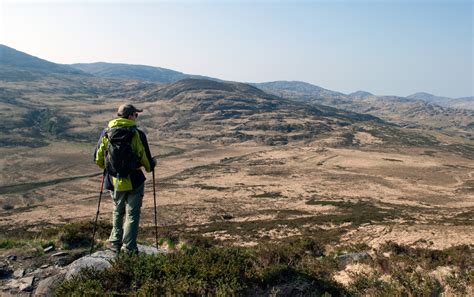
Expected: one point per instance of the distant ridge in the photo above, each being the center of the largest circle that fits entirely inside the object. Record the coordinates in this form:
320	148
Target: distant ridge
406	111
464	102
427	97
134	72
291	89
361	94
17	65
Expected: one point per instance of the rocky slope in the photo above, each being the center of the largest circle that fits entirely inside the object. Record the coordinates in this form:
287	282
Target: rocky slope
134	72
462	103
408	112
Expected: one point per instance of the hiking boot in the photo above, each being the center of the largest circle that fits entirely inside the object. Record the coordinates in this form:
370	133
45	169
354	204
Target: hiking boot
130	252
113	247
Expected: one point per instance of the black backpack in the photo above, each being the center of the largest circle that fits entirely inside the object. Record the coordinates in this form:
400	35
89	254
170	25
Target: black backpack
119	157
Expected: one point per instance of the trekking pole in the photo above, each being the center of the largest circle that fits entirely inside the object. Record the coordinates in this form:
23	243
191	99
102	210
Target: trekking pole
154	201
97	214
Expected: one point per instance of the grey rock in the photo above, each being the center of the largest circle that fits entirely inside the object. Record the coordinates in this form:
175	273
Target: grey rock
36	271
19	273
44	266
59	254
23	284
49	249
47	286
12	284
353	257
99	260
150	250
26	283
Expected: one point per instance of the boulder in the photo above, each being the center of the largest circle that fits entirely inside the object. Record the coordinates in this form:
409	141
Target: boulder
24	284
99	260
47	286
19	273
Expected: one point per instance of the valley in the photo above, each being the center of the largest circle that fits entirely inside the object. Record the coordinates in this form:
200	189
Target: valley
237	165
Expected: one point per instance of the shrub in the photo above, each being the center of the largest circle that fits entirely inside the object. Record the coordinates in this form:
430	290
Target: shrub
365	284
80	234
213	271
459	282
7	206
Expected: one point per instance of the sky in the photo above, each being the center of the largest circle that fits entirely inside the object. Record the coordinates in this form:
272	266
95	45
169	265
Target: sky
392	47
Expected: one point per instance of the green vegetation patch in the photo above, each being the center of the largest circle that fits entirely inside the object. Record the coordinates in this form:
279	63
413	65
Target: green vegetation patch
211	271
400	270
79	234
295	267
460	256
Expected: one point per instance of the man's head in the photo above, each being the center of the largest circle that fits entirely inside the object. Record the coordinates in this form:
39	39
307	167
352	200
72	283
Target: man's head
128	111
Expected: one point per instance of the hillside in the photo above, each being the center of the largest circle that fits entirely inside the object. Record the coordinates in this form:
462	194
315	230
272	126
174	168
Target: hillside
19	66
134	72
303	90
460	103
407	112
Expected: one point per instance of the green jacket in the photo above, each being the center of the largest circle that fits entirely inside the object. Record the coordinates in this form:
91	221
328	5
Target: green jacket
140	150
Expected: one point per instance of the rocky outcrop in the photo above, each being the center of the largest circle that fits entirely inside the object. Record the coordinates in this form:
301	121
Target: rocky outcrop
45	279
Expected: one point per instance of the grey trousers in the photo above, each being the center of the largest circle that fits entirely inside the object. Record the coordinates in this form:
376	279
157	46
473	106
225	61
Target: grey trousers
126	203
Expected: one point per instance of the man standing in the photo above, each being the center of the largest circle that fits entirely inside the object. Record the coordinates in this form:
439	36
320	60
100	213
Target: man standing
121	150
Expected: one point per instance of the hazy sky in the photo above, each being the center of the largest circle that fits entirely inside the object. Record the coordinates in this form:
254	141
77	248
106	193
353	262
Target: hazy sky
384	47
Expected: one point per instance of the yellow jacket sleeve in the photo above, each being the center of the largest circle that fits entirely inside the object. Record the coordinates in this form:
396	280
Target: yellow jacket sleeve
100	155
139	151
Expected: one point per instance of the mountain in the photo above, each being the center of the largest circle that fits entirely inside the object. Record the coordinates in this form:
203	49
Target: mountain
75	107
229	112
360	94
48	104
427	97
302	90
18	66
407	112
461	103
134	72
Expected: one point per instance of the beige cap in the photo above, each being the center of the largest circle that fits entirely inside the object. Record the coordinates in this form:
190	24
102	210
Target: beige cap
127	109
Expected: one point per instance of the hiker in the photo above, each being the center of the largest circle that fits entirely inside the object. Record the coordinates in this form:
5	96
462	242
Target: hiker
121	150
